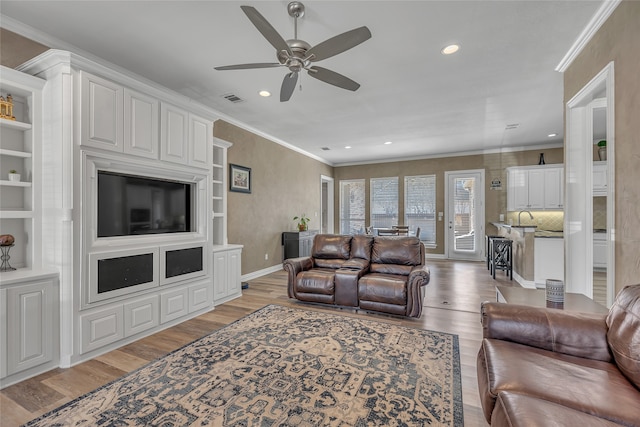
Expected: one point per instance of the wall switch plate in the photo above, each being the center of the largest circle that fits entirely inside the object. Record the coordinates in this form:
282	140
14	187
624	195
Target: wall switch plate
266	256
501	217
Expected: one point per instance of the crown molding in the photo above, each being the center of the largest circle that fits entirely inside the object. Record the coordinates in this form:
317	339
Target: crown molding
603	13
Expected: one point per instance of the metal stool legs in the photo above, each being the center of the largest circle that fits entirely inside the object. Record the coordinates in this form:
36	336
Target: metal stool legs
490	250
502	256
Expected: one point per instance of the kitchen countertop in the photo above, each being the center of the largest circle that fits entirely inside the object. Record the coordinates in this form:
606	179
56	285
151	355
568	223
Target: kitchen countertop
507	226
548	234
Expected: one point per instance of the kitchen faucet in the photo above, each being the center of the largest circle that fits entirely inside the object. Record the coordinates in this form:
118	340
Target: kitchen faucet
520	213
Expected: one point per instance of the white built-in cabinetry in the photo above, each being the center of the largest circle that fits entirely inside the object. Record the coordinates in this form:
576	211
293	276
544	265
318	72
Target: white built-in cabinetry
600	250
535	188
99	119
29	295
600	179
226	274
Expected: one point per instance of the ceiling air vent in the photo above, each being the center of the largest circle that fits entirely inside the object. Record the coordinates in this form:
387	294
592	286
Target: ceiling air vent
512	126
233	98
326	148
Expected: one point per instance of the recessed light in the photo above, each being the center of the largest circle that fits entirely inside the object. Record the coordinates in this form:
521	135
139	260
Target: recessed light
388	143
448	50
551	135
264	93
347	146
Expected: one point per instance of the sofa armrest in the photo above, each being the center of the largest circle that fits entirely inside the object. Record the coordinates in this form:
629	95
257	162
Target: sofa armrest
418	277
293	266
577	334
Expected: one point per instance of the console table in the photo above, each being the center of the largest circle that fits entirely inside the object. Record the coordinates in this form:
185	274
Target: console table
536	298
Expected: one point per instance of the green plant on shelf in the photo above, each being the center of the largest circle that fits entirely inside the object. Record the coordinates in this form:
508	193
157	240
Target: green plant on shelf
303	222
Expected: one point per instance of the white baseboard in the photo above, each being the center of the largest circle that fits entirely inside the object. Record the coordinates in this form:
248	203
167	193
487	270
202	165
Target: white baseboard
524	283
260	273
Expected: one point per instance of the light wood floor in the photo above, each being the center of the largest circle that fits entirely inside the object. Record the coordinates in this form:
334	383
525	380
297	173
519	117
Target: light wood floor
452	305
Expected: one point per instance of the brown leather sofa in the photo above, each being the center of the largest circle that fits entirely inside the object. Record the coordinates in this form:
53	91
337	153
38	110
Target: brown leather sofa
547	367
384	274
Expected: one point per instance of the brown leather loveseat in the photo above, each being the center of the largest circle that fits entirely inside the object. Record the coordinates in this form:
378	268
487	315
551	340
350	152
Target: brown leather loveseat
385	274
547	367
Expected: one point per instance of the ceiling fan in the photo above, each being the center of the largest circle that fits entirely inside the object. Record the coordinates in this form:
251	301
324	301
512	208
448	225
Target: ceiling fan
298	55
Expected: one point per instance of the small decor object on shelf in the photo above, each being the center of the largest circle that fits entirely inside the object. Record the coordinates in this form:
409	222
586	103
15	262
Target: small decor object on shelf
303	222
239	179
6	240
6	243
554	291
6	107
541	160
14	175
602	150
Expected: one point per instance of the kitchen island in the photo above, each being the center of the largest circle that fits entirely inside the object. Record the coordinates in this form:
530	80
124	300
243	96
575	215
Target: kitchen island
523	237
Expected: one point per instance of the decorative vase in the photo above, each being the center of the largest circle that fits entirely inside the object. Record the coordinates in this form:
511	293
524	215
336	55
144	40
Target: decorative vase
541	160
302	227
14	177
602	153
554	291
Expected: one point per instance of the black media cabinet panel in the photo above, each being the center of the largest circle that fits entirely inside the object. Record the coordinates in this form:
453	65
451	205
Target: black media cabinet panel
183	261
123	272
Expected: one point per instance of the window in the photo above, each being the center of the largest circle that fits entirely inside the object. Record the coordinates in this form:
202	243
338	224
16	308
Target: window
384	202
352	206
420	206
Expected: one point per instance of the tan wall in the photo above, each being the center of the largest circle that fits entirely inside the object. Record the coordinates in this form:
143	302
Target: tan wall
618	40
494	165
16	49
284	184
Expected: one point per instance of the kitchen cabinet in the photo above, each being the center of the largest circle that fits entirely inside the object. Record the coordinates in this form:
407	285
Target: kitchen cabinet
535	188
599	178
600	250
548	259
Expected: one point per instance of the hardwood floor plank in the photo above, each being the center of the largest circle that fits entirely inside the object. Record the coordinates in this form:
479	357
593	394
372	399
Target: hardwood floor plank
452	305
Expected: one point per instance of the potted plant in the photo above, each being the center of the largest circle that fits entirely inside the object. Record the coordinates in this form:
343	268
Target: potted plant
602	149
303	221
14	175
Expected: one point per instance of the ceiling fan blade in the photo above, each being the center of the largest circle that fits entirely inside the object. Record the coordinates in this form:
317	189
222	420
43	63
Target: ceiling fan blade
333	78
339	44
249	66
288	86
266	29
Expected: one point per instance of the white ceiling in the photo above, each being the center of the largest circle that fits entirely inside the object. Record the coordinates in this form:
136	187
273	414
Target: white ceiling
428	104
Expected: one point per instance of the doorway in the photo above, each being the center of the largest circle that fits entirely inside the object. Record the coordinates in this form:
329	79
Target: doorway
590	187
326	205
464	201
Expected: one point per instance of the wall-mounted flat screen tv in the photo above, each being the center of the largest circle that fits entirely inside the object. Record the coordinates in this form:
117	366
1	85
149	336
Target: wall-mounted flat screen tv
134	205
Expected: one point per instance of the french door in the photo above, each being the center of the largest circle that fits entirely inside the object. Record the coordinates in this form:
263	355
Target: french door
464	198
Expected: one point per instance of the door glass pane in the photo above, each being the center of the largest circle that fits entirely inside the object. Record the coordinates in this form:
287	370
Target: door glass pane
384	202
464	211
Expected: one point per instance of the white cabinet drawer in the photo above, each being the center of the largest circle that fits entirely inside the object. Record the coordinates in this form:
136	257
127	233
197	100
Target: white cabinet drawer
174	304
101	328
141	315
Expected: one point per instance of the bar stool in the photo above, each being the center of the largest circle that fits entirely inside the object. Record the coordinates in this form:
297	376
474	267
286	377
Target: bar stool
489	250
502	256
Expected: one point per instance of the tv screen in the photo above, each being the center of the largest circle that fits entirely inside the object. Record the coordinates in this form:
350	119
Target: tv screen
133	205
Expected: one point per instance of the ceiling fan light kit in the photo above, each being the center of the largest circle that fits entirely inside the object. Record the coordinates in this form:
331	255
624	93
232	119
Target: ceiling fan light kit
298	55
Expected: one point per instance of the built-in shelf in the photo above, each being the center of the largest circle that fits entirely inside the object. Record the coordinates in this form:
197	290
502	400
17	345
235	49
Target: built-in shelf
14	124
215	181
15	183
217	198
217	166
218	215
14	153
15	214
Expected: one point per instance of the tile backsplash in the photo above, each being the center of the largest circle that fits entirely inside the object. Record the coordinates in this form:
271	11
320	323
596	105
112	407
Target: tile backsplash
544	220
599	213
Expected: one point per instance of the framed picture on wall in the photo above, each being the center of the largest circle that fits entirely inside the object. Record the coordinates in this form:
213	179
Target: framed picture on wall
239	178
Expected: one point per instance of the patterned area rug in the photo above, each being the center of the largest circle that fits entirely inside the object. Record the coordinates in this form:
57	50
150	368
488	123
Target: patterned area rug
286	367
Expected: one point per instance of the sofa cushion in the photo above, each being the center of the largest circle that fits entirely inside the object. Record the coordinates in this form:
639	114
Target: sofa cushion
624	332
514	410
336	246
401	270
396	250
361	246
317	281
333	263
387	288
590	386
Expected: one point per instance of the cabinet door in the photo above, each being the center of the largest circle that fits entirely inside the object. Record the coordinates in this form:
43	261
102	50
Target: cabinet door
140	124
220	287
553	188
600	179
173	134
200	135
30	325
234	267
599	251
102	113
536	189
517	190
